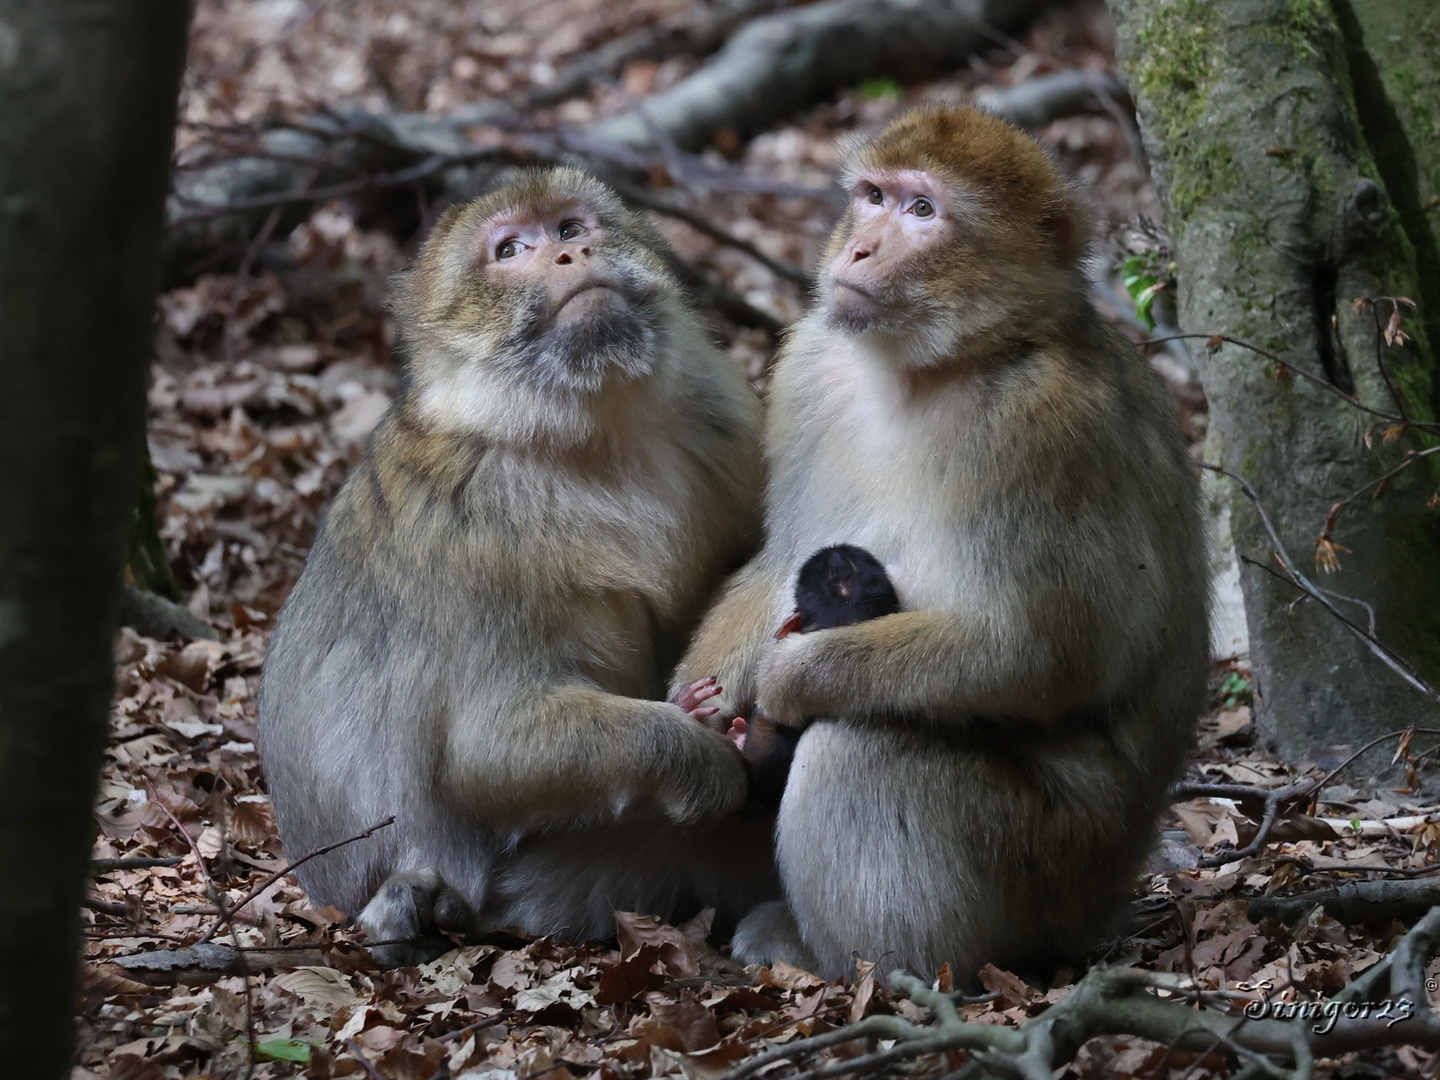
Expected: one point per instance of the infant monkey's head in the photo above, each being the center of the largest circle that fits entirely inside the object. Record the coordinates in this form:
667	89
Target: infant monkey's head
839	586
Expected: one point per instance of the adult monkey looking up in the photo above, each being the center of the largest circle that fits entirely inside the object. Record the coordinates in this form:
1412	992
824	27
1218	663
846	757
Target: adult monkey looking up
955	406
500	589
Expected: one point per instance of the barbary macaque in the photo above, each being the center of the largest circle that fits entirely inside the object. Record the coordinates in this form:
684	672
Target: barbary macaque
837	586
988	781
480	639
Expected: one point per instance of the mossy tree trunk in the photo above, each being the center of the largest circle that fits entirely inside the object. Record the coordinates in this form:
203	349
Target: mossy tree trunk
1294	154
87	114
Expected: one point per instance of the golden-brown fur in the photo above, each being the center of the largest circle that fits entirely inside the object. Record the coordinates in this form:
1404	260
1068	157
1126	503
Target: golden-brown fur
480	638
981	772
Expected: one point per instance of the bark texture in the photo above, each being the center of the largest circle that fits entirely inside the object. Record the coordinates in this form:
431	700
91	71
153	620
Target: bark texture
1264	133
87	109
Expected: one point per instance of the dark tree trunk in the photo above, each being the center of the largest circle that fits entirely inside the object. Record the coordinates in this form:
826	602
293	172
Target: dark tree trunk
87	113
1290	187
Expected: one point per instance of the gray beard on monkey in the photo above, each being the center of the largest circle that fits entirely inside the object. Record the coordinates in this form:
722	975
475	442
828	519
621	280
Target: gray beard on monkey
583	353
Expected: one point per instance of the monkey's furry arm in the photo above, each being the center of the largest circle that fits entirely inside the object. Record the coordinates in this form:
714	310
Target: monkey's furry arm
927	665
574	752
730	641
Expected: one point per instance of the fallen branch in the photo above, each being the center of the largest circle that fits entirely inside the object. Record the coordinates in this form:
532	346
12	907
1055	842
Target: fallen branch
1357	902
155	617
782	62
708	293
106	907
1120	1002
1036	102
218	201
1270	801
699	37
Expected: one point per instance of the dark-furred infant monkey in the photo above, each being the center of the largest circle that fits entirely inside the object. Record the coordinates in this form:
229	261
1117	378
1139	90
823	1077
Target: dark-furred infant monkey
838	586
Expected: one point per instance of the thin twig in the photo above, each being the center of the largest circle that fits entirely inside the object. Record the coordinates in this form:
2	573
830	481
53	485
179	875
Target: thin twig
252	251
105	907
240	961
365	1062
1273	799
1383	652
106	866
1373	303
716	233
1290	365
278	874
1411	457
435	163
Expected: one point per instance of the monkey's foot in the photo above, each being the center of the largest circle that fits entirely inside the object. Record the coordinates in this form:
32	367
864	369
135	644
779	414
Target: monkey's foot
769	933
410	915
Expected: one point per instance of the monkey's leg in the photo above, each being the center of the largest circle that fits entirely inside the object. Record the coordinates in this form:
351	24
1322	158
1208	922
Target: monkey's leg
409	916
770	933
731	637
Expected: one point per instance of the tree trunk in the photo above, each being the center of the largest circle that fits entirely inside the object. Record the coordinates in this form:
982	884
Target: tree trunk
87	113
1264	120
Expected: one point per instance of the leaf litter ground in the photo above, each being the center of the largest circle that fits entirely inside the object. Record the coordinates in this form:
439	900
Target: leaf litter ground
266	384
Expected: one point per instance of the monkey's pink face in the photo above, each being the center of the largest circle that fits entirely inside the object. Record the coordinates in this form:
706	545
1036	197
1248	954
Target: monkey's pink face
899	217
559	250
580	304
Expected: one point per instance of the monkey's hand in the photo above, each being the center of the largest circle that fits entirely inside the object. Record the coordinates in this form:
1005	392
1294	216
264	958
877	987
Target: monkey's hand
730	639
786	688
693	698
717	788
576	753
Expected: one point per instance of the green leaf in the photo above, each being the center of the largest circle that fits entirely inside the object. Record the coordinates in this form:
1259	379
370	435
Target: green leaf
879	88
1142	285
1235	690
284	1050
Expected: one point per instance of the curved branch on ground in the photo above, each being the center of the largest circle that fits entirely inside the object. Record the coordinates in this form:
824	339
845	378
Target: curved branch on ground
782	62
1036	102
1120	1001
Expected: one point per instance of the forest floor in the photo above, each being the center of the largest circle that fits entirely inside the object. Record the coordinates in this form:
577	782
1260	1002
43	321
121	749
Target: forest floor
266	385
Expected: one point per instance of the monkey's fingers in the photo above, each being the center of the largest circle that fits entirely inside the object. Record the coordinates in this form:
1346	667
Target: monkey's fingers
696	694
739	728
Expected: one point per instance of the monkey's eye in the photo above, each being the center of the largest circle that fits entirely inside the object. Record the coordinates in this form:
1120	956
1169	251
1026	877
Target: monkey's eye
570	229
923	208
508	250
876	196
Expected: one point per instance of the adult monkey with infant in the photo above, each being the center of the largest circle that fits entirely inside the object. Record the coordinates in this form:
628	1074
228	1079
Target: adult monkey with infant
499	591
1000	748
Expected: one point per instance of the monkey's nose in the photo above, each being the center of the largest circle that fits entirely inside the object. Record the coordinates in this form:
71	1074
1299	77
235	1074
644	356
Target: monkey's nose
565	258
858	253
